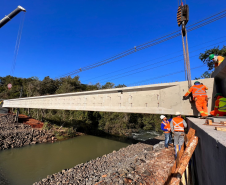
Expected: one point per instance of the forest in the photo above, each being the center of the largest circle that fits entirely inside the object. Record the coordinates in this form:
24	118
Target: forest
89	122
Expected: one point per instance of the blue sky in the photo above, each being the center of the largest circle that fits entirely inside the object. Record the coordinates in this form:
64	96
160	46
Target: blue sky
61	36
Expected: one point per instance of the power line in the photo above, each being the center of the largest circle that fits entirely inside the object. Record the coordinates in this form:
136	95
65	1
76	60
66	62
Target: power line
112	78
147	45
150	68
182	71
158	58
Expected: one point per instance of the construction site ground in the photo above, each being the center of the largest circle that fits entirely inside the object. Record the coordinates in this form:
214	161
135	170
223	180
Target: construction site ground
30	121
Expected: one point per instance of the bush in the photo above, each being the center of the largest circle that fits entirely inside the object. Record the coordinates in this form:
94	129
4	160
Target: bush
71	132
47	126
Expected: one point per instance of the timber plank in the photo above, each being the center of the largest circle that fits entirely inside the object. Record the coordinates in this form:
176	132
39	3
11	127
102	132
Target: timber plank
220	129
215	125
184	161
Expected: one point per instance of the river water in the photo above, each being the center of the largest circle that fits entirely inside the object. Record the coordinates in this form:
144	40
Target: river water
26	165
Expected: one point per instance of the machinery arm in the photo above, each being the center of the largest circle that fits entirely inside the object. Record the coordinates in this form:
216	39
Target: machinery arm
7	18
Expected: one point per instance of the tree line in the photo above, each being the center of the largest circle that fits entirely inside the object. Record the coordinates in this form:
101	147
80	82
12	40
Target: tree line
90	122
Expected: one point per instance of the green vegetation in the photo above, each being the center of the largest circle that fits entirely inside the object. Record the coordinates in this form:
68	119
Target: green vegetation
83	121
204	57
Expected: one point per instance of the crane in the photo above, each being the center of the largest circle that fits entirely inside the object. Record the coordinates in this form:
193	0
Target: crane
7	18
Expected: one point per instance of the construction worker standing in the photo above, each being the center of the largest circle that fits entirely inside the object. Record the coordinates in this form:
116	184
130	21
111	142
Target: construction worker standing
165	126
217	59
220	106
177	126
199	95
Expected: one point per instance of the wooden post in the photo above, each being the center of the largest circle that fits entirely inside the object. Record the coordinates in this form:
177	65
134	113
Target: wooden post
191	133
184	160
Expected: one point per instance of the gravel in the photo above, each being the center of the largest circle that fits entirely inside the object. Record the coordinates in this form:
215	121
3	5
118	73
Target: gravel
136	164
14	135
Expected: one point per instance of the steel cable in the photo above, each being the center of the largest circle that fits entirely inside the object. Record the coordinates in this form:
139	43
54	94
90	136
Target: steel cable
145	45
182	71
162	56
18	43
112	78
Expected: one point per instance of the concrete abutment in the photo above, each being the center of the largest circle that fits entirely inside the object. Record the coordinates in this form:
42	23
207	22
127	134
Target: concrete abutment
210	154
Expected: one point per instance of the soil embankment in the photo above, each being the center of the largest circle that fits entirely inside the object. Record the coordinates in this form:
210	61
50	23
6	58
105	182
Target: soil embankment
14	135
136	164
34	123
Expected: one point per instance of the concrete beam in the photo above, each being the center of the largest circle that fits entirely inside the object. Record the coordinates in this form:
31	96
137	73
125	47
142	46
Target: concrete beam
152	99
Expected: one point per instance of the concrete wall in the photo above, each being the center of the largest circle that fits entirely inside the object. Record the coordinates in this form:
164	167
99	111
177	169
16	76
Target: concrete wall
210	154
153	99
220	78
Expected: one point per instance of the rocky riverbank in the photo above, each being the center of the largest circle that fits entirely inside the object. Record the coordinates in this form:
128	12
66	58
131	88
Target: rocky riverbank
136	164
14	135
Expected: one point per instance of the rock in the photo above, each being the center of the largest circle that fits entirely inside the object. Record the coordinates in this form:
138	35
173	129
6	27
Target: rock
162	144
14	135
156	147
130	165
149	148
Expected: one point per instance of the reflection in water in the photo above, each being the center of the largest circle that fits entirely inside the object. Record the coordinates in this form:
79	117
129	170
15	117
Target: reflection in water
29	164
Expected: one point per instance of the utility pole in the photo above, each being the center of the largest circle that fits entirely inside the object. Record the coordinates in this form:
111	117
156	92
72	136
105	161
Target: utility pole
182	20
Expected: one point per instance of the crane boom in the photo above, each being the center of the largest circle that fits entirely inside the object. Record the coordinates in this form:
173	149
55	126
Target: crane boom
7	18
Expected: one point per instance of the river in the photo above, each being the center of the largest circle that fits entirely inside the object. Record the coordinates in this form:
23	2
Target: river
26	165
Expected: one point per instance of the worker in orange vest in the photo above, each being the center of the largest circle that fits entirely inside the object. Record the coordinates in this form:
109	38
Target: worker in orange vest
165	126
177	126
216	59
199	95
218	108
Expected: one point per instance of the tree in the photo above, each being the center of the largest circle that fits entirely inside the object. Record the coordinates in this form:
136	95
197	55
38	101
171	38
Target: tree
120	85
207	74
108	85
204	57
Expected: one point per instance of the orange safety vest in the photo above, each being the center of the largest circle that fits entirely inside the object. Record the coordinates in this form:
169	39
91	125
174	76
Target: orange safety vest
178	124
198	90
220	59
167	126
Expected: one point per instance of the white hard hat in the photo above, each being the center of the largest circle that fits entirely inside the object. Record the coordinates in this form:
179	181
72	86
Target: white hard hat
178	113
162	116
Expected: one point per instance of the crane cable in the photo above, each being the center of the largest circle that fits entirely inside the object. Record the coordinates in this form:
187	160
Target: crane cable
18	42
152	43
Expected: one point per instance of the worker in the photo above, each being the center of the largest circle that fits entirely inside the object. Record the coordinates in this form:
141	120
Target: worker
177	126
216	59
1	102
165	126
200	98
220	106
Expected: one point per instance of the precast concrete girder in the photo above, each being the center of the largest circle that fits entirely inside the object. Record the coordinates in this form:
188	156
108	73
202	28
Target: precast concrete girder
163	98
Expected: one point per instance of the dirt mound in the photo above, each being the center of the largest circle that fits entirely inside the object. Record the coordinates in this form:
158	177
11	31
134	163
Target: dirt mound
30	121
